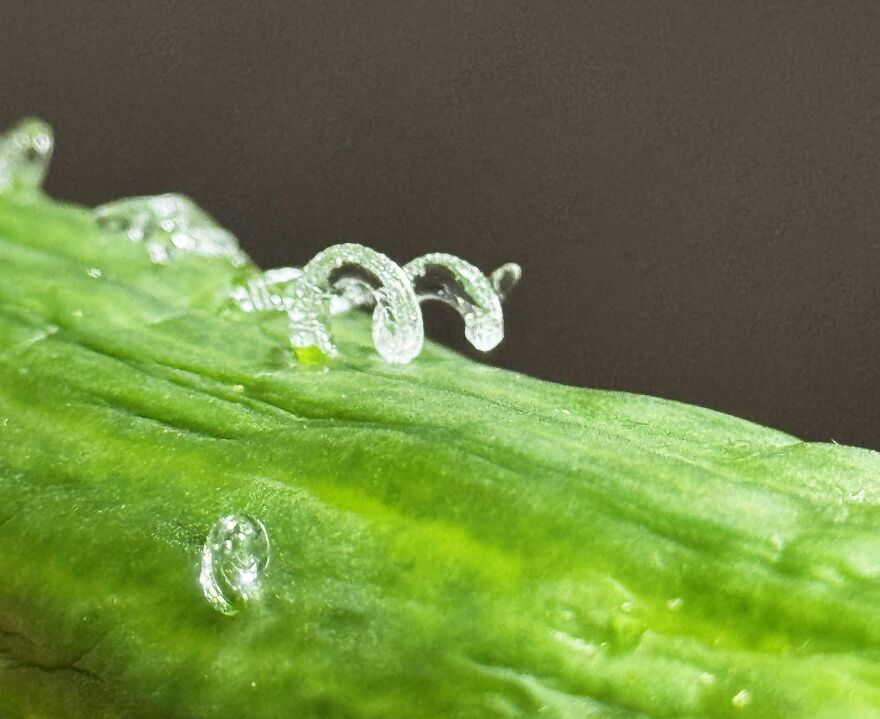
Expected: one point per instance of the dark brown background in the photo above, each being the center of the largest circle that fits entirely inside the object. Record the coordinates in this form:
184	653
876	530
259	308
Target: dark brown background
692	188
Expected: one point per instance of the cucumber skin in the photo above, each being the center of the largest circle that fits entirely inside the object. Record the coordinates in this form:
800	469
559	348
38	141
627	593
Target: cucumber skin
448	539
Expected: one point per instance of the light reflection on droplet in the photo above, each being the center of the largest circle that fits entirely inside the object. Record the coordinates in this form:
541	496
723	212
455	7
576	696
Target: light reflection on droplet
234	555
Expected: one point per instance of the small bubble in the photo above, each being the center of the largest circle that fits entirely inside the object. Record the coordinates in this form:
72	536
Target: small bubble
234	556
95	272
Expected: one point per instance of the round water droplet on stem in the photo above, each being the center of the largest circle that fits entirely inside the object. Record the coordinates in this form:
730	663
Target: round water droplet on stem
234	556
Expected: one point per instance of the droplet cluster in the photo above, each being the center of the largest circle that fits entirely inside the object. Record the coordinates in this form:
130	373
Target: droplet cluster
169	225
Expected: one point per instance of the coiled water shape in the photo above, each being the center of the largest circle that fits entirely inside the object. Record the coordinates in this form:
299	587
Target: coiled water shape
346	276
356	271
25	152
452	280
169	224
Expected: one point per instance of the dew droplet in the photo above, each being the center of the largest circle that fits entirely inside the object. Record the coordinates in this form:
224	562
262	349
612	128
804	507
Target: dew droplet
25	152
95	272
505	278
168	225
354	270
235	554
452	280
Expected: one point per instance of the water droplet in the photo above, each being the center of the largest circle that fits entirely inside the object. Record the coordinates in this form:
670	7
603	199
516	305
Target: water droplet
25	152
271	291
235	554
707	678
741	698
95	272
458	283
674	604
354	270
168	225
505	278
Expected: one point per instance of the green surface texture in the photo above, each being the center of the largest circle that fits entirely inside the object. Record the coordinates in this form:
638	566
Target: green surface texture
448	540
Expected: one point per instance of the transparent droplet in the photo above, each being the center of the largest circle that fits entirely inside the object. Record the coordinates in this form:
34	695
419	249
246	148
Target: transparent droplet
354	270
235	554
267	292
168	225
505	278
458	283
25	152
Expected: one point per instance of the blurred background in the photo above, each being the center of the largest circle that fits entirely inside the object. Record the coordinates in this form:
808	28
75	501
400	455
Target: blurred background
692	189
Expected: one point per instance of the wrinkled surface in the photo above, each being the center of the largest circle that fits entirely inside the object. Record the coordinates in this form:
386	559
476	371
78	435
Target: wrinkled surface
448	540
